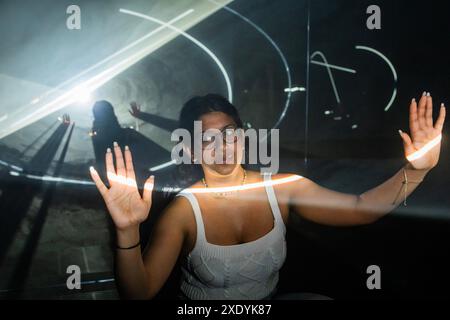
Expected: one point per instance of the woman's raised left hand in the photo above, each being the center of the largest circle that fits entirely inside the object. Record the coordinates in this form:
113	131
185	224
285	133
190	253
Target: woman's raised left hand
423	133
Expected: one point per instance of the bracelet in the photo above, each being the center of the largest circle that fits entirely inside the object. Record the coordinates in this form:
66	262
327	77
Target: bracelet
128	248
405	183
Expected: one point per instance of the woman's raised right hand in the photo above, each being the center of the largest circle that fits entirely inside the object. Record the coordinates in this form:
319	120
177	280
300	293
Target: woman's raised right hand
123	200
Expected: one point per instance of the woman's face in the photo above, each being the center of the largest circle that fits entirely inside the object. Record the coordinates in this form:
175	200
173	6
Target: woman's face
231	146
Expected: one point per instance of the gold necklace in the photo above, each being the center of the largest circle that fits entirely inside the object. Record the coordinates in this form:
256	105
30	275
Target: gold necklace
222	194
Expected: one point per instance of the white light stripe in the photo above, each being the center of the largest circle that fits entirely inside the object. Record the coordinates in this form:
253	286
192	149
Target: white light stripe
124	180
51	179
394	72
382	56
16	167
427	147
115	54
6	164
194	40
162	166
121	179
394	95
3	117
58	179
295	89
333	84
246	186
333	66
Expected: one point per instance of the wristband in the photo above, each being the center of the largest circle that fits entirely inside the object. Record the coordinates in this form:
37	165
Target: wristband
128	248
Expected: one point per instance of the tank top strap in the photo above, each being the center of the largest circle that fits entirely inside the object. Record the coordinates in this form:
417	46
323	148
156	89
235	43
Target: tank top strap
273	199
197	214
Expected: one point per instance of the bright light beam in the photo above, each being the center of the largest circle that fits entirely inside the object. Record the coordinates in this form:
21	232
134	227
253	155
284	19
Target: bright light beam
90	85
110	57
246	186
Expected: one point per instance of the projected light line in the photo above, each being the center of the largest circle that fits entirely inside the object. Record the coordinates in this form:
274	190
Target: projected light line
332	66
191	38
51	179
163	165
330	74
391	66
246	186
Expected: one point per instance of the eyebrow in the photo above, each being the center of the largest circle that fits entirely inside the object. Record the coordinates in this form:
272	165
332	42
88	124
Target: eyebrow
225	127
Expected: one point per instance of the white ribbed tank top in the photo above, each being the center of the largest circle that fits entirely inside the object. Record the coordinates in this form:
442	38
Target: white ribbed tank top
247	271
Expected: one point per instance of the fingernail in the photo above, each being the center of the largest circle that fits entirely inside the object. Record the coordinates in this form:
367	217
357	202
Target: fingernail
428	94
108	150
442	105
424	94
126	148
115	144
413	100
400	131
91	168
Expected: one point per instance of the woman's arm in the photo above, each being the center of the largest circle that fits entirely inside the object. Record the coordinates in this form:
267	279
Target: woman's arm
329	207
142	276
139	278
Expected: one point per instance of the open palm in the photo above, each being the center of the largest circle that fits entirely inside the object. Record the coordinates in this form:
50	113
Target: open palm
123	200
423	132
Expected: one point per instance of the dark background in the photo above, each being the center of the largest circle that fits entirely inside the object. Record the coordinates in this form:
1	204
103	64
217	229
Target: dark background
349	154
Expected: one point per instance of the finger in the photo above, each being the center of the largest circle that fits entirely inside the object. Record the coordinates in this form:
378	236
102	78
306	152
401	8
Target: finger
98	181
148	189
120	164
129	164
110	171
413	121
407	142
421	115
441	119
429	112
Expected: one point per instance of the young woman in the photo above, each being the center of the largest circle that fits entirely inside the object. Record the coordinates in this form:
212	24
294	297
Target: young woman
230	226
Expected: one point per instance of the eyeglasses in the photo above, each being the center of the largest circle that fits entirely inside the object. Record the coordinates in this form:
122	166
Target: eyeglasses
229	136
